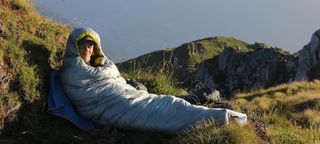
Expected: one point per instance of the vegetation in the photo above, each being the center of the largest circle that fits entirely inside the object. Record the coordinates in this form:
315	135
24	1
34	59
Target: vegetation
290	111
30	46
159	83
287	113
183	61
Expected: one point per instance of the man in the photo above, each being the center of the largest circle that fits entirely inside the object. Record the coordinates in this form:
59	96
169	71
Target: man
100	93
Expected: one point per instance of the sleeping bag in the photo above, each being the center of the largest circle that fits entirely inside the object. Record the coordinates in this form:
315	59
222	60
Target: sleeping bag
102	95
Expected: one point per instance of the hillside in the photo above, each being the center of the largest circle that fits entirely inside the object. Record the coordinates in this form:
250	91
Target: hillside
185	59
231	65
31	46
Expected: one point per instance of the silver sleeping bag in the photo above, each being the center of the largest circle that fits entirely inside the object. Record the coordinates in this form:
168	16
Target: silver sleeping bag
102	95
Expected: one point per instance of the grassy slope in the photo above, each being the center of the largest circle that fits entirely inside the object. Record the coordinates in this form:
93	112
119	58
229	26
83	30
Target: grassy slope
182	61
290	111
31	45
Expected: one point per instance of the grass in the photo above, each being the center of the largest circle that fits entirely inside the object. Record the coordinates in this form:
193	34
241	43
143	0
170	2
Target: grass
160	83
291	111
283	131
1	55
215	133
31	45
28	83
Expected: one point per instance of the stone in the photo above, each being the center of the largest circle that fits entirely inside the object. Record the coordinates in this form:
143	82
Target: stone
241	70
309	57
238	70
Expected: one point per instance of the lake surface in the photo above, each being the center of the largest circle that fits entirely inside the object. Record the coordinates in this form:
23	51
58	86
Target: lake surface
132	28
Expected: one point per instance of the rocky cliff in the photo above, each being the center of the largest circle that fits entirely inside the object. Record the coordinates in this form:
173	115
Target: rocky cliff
236	70
232	65
309	59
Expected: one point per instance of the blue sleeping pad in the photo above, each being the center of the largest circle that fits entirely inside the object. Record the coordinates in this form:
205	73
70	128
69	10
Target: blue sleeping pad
60	105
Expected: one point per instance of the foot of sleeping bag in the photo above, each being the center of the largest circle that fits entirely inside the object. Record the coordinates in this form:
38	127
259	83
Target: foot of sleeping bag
240	118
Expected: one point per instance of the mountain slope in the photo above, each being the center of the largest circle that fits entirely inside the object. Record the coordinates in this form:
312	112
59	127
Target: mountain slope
184	60
231	65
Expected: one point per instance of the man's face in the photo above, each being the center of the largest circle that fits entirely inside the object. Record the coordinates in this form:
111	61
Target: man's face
86	49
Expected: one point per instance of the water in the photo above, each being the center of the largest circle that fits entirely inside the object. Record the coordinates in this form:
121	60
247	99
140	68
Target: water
132	28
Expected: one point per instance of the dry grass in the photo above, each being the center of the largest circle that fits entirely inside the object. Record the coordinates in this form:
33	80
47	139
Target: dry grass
313	115
219	134
291	111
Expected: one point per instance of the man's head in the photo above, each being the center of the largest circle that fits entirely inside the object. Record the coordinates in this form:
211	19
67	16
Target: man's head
86	46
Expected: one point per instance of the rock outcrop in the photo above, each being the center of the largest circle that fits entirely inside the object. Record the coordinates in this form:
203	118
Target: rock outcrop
235	70
260	68
239	70
309	59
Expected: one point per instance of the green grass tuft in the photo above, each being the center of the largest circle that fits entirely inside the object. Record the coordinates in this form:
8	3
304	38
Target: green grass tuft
159	83
29	82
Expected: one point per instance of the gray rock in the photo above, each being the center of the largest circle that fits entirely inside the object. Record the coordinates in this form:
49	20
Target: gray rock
309	57
204	76
260	68
240	70
237	70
